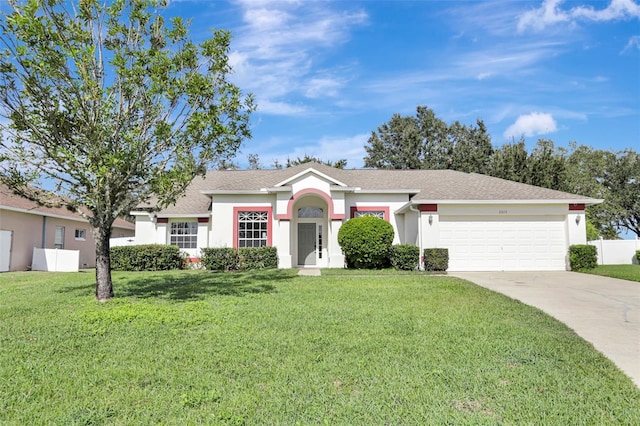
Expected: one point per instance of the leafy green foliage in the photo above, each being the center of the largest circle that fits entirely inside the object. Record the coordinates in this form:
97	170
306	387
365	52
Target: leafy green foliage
436	259
622	179
366	242
427	142
638	255
220	258
258	258
147	257
246	258
405	257
583	257
114	105
338	164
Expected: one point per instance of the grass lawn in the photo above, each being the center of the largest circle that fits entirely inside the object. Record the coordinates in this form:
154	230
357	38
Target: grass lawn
624	272
270	347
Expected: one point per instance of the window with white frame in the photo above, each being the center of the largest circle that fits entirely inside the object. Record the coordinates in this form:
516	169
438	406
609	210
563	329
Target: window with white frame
253	228
80	234
58	241
184	234
375	213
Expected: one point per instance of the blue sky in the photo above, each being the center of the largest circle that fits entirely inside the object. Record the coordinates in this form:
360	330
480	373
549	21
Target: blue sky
325	74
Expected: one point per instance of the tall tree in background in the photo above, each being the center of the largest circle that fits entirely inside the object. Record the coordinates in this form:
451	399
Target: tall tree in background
510	162
436	145
585	172
114	106
396	145
427	142
546	166
622	179
338	164
472	150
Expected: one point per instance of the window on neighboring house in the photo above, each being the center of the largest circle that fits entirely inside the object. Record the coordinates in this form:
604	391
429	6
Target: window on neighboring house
253	228
58	241
184	234
81	234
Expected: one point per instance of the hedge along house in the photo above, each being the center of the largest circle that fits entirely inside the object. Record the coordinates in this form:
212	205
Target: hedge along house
486	223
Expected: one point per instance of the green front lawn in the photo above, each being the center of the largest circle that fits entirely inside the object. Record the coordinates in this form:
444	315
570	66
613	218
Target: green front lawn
624	272
270	347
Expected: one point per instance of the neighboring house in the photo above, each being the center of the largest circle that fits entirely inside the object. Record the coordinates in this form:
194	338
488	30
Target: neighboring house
25	225
486	223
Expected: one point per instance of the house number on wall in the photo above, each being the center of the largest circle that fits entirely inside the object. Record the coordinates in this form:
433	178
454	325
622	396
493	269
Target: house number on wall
502	212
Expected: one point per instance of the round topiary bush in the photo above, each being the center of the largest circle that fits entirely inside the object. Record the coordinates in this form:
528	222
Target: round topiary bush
366	242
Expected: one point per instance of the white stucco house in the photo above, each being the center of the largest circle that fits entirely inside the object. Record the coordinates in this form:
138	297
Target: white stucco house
488	224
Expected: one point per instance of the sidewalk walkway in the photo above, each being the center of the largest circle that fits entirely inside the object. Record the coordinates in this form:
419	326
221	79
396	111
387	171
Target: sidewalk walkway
312	272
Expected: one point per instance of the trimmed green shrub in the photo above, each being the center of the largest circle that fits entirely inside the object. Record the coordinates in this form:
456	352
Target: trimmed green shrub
220	258
436	259
231	259
405	257
583	257
258	258
148	257
638	255
366	242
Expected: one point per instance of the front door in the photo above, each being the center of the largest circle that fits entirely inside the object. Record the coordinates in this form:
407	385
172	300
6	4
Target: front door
306	243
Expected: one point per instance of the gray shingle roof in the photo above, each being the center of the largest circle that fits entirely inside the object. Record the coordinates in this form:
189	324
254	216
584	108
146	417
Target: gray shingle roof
12	201
425	186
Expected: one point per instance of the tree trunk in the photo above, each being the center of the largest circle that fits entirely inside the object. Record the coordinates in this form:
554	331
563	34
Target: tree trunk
104	286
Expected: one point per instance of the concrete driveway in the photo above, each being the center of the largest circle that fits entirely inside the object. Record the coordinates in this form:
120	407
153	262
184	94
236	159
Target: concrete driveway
603	311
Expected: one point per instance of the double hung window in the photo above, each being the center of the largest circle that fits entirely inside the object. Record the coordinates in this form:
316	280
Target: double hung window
184	234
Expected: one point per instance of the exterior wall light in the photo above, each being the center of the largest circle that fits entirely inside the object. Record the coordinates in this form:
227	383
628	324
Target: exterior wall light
578	220
430	219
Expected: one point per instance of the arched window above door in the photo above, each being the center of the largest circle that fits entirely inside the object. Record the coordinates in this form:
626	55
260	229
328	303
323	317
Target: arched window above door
310	212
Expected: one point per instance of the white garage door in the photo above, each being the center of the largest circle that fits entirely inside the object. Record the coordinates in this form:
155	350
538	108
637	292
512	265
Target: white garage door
489	243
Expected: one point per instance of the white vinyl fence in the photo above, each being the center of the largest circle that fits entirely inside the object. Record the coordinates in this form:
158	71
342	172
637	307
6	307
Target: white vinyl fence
122	241
55	260
616	252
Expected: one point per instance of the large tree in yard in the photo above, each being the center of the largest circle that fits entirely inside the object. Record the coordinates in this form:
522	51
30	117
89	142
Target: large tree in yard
111	106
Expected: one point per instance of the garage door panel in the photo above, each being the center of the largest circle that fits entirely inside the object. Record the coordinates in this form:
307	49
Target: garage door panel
496	243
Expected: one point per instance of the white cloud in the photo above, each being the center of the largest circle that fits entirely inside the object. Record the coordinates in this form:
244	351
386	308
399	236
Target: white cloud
550	13
276	49
266	106
536	123
323	86
632	44
328	148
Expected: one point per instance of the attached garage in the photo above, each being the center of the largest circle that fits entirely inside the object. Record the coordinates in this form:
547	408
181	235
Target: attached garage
496	243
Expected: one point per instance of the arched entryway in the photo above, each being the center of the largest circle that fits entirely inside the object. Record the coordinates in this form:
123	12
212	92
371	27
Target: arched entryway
310	230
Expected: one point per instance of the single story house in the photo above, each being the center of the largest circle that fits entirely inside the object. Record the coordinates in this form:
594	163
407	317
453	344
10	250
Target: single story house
25	225
488	224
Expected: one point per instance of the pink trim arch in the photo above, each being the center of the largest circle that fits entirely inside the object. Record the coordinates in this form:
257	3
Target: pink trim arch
309	191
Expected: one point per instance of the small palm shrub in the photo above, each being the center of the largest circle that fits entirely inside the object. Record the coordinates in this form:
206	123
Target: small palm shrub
366	242
583	257
405	257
